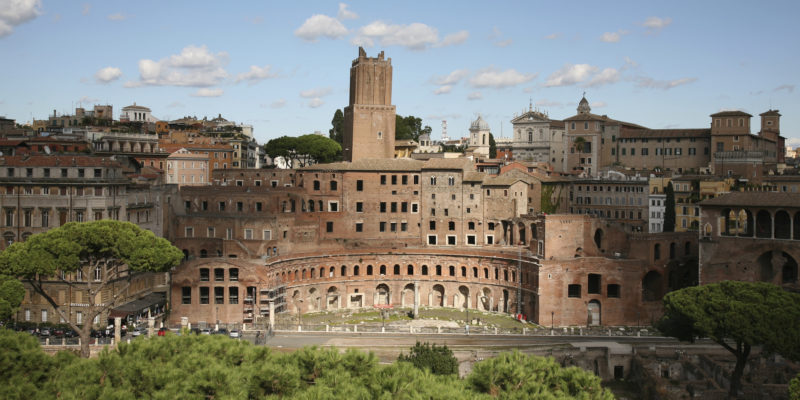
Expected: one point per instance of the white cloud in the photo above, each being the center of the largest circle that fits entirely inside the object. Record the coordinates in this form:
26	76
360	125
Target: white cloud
280	103
87	100
454	39
656	24
316	102
175	104
344	13
317	92
599	104
504	43
475	96
451	79
86	8
16	12
793	142
107	74
117	17
549	103
651	83
553	36
318	26
194	66
629	63
491	77
443	90
256	74
787	87
613	37
605	77
206	92
570	74
415	36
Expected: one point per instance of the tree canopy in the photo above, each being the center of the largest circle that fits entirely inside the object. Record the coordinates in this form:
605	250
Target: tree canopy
115	249
304	150
492	146
200	366
439	360
336	133
409	128
11	294
737	316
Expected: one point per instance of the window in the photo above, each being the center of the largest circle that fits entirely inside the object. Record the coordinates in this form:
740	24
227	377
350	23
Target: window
451	240
316	185
81	173
359	206
359	227
382	226
189	232
613	291
393	207
383	179
204	295
433	181
414	208
383	206
432	225
333	206
432	239
45	218
222	206
248	234
359	185
393	226
329	226
219	295
404	207
203	274
451	226
267	234
334	185
233	274
259	206
471	239
233	295
403	226
594	284
574	291
404	179
186	295
219	274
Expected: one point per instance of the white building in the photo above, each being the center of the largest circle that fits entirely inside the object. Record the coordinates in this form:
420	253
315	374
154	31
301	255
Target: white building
479	137
657	209
136	113
537	138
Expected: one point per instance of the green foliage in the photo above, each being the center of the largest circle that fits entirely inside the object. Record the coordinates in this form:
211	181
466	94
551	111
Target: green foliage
549	206
439	360
492	146
794	388
336	133
409	128
304	149
745	313
519	376
11	294
580	143
669	213
216	367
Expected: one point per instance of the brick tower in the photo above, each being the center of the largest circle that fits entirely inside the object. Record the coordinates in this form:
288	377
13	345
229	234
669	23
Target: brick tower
370	117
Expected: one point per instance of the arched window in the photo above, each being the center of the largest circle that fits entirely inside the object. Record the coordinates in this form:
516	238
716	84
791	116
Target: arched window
657	252
424	270
439	270
397	269
355	270
383	270
344	271
474	272
410	269
463	271
452	271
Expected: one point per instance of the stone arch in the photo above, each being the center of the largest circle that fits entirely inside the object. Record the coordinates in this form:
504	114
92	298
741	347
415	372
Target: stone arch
303	274
772	262
382	294
437	296
313	303
745	221
598	238
321	272
729	222
652	286
332	299
763	224
522	235
593	311
407	296
796	235
503	306
463	297
485	302
783	225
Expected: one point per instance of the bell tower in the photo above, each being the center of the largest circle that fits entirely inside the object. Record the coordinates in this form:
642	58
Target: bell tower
369	119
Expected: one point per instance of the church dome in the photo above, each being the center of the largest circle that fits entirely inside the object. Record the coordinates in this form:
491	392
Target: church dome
479	125
583	106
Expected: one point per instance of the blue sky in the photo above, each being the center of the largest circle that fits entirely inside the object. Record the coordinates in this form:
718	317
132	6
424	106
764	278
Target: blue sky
284	66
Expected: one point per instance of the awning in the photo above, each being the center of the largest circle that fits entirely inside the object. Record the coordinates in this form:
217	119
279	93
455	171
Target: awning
138	306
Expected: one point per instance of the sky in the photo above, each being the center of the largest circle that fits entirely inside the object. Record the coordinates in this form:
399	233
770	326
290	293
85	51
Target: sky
283	67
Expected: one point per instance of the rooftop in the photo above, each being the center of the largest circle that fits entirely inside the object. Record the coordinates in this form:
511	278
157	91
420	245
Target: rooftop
756	199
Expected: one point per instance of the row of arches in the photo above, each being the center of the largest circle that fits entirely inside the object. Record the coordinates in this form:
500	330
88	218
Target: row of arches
779	224
311	273
673	250
483	298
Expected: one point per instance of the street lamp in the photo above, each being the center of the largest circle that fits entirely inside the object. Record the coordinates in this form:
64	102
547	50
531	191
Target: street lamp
552	321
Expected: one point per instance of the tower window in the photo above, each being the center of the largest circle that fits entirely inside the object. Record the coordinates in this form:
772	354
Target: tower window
380	135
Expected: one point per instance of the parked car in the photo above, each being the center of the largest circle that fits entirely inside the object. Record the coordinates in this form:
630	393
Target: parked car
138	332
205	331
235	334
221	331
45	332
162	331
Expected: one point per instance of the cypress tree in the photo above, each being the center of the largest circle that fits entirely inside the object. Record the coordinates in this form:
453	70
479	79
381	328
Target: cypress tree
669	214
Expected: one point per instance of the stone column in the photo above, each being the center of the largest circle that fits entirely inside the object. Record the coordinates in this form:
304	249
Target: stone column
117	327
416	299
185	323
151	324
272	315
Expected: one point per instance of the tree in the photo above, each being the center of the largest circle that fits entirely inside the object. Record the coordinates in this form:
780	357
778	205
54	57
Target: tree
409	128
109	252
318	149
669	213
492	146
11	294
284	147
580	143
794	388
738	316
519	376
336	133
437	359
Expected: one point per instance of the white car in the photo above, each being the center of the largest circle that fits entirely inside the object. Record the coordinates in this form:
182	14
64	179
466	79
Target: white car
235	334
